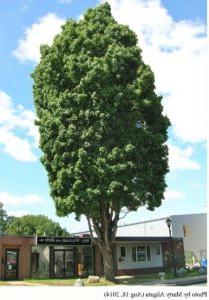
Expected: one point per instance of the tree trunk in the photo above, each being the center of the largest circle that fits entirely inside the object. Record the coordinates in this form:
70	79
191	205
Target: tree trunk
109	272
105	232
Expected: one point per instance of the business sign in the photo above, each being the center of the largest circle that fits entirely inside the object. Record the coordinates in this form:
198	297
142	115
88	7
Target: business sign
70	241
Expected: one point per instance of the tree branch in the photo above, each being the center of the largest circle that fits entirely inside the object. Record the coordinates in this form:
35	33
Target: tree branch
125	214
91	231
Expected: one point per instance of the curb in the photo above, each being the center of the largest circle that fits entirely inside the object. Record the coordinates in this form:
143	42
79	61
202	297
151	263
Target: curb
180	282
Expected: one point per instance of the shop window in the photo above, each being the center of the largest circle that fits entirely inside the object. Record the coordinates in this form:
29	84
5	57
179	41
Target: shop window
141	253
34	262
122	251
85	260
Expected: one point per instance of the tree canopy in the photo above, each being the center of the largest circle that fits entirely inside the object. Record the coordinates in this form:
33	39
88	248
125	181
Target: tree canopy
3	218
102	131
35	225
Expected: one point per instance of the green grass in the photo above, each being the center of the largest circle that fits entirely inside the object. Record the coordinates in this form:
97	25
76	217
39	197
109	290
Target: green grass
48	281
67	282
102	282
3	283
189	273
132	280
129	280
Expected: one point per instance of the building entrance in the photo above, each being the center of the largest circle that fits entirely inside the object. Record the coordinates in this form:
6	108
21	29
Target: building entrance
64	263
11	264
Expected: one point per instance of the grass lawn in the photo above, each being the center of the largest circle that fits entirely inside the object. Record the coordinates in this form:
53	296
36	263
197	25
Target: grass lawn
125	280
120	280
49	281
3	283
189	273
66	282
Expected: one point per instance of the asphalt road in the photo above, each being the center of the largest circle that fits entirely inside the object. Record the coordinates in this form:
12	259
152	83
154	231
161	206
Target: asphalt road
201	283
196	283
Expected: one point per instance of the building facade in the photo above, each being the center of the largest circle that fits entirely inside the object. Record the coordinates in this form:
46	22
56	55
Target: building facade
15	257
191	227
58	257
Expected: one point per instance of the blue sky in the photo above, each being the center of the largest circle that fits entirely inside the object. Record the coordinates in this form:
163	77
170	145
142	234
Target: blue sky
172	37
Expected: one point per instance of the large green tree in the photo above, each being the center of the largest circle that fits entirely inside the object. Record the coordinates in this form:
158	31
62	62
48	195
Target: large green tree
3	218
101	126
35	225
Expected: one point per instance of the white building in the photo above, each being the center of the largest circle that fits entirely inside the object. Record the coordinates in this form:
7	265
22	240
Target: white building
191	227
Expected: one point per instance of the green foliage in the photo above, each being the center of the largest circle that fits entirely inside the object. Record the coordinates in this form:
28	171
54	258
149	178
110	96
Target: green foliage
35	225
3	218
190	257
101	126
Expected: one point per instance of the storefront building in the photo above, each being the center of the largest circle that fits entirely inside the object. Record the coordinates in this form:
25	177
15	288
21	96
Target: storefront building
58	257
138	255
54	257
15	256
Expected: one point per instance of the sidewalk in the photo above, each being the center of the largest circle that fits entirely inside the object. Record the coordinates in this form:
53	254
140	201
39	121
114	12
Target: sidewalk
178	281
22	283
201	279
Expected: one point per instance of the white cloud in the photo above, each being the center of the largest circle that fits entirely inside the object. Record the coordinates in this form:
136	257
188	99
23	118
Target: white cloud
173	194
14	200
181	159
18	148
18	213
12	120
39	33
177	53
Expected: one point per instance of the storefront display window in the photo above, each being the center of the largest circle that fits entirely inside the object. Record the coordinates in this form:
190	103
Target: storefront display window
63	263
141	253
85	261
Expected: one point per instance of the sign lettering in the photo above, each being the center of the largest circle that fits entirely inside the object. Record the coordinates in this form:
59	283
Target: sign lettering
42	240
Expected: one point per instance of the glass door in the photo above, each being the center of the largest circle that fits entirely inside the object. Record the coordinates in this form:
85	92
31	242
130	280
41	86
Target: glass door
64	263
11	264
58	263
69	263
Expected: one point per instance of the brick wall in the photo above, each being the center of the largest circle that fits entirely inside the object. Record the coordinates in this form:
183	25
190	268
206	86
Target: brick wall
23	245
139	271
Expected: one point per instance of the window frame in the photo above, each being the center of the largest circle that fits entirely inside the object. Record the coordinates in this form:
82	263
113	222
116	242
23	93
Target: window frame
143	254
148	256
35	259
124	248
